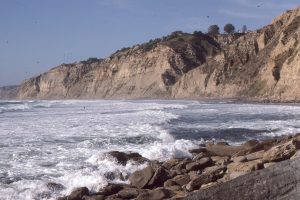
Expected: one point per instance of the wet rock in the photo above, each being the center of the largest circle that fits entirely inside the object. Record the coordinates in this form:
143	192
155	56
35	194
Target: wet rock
112	188
94	197
55	186
245	166
197	151
114	175
129	193
78	193
141	178
159	177
181	179
123	158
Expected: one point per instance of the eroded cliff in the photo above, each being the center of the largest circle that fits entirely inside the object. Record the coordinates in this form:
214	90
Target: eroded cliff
258	65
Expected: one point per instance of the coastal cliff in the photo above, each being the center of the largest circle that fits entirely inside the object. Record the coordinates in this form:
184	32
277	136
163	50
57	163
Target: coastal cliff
259	65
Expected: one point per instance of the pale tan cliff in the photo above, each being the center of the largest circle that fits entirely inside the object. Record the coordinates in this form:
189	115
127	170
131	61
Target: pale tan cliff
258	65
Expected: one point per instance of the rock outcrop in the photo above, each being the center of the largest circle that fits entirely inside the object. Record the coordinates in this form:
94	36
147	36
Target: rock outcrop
257	170
259	65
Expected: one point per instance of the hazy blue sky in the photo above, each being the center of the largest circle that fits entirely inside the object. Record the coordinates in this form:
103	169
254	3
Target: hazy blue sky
36	35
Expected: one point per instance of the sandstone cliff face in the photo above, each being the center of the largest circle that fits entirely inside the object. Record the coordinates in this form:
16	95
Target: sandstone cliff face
258	65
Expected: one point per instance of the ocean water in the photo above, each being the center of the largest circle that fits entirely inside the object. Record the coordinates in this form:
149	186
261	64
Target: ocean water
65	141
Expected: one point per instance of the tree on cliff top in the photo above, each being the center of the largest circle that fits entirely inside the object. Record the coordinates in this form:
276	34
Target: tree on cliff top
229	28
213	30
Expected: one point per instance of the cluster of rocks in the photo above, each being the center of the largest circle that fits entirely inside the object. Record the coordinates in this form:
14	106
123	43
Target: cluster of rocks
211	164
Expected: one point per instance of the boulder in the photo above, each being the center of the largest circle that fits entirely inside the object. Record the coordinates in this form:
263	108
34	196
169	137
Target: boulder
169	183
197	151
170	163
193	174
200	155
245	166
280	152
141	178
223	150
156	194
129	193
255	156
78	193
220	160
239	159
215	171
199	164
94	197
181	179
159	177
112	188
196	184
123	158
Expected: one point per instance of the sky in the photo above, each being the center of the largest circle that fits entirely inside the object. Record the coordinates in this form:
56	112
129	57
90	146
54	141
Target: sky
36	35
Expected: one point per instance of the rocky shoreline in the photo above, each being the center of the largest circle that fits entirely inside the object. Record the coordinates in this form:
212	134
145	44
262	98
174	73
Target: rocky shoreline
212	167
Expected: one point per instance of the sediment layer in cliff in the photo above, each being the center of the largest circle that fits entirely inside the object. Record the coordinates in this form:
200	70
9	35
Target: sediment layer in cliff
263	64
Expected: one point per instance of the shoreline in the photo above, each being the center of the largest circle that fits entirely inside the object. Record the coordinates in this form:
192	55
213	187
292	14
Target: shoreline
212	165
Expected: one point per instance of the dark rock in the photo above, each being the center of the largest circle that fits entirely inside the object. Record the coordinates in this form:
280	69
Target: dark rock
78	193
55	186
94	197
141	178
197	151
129	193
281	181
62	198
159	177
123	158
222	143
112	189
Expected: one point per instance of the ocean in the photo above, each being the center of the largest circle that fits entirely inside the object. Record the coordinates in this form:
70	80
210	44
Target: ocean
65	141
